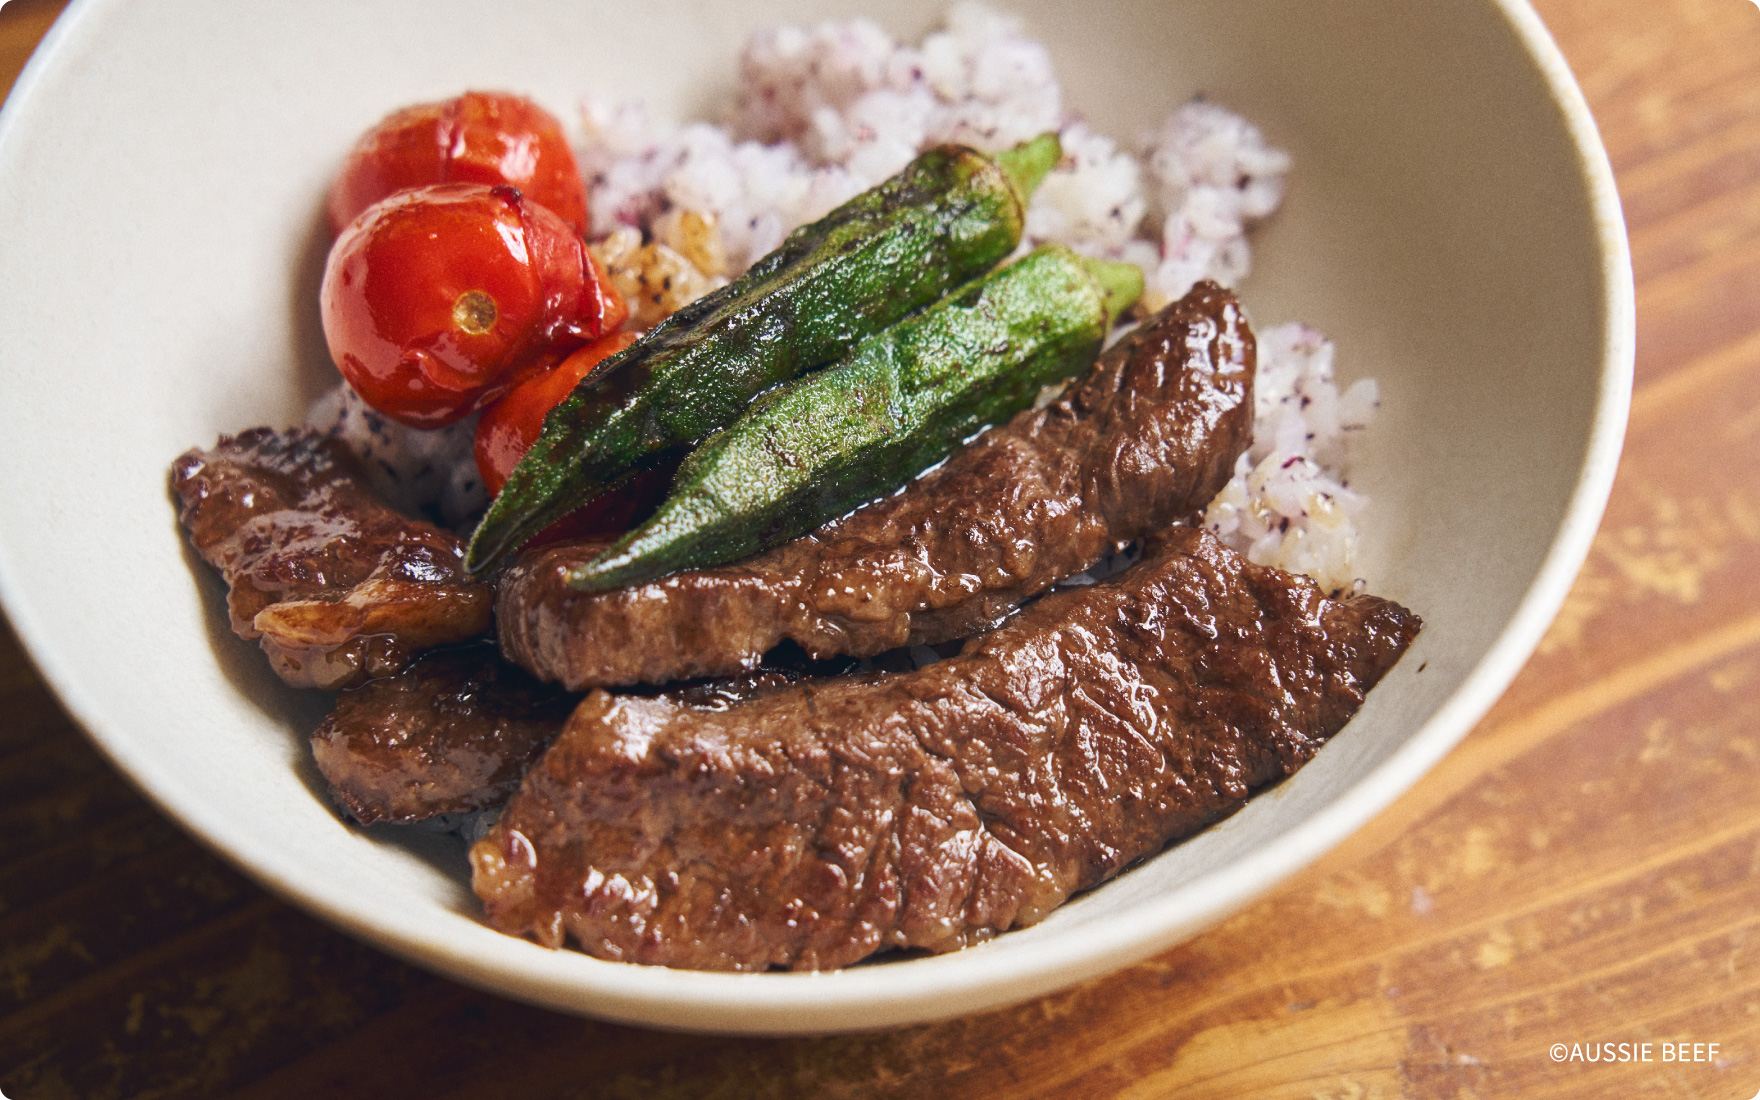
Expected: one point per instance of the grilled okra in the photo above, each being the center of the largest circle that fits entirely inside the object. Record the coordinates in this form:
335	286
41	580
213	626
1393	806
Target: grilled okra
953	213
812	449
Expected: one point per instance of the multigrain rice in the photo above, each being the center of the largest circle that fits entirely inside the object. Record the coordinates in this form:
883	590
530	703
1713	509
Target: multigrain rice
1289	503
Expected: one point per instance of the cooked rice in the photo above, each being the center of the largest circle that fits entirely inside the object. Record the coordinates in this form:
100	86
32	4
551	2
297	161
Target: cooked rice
824	112
416	470
1289	503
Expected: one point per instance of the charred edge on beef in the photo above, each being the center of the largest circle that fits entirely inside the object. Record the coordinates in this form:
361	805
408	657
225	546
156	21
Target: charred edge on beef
454	732
336	585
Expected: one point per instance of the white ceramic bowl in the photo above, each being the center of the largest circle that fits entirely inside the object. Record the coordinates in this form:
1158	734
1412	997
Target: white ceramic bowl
1451	222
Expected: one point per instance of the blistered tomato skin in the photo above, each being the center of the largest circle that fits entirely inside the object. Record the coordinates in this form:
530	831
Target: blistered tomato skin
509	426
479	137
436	300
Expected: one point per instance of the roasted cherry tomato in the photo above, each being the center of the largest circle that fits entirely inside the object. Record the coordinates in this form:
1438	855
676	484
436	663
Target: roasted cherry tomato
510	426
613	512
438	299
479	137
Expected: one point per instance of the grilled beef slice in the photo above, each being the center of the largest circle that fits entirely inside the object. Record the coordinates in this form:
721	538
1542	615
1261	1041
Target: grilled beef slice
815	825
452	733
1146	438
336	585
455	731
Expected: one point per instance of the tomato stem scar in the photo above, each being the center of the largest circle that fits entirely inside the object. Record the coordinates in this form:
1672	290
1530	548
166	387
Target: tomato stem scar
474	312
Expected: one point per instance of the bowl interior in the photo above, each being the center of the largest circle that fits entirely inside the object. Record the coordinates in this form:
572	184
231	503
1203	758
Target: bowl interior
161	174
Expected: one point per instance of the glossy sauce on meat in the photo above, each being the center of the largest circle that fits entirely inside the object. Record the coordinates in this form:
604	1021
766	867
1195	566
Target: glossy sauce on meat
452	733
1143	440
817	824
455	731
336	585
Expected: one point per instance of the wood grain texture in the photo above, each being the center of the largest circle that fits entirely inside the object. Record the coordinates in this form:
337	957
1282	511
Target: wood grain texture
1584	869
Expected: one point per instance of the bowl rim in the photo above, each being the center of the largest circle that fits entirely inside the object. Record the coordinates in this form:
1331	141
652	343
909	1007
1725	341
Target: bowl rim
922	990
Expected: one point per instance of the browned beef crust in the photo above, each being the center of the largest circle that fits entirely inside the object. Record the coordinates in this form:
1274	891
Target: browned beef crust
1146	438
337	586
815	825
455	731
452	733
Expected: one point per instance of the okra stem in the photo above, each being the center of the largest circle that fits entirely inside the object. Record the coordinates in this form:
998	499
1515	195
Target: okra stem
1121	284
1027	164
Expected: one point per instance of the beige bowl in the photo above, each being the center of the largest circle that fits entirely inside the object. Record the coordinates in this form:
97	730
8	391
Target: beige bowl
1451	222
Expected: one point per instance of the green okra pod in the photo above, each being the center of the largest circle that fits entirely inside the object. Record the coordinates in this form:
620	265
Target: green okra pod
812	449
953	213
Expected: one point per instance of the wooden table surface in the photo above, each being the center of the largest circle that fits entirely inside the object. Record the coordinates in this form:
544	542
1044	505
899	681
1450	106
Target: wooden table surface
1584	869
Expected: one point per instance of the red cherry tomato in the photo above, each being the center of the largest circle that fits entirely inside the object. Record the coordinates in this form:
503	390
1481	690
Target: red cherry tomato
478	137
510	426
613	512
437	299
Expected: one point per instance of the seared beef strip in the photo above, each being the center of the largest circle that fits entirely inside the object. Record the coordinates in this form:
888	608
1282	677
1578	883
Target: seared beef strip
1146	438
452	733
933	809
337	585
455	731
